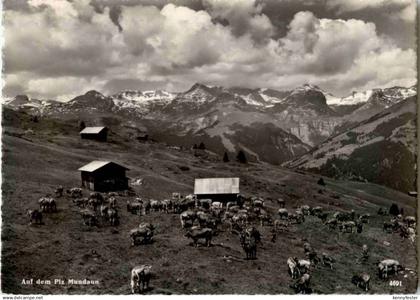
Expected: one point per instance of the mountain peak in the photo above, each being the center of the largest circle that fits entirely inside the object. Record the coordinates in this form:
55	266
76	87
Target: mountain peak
93	93
200	86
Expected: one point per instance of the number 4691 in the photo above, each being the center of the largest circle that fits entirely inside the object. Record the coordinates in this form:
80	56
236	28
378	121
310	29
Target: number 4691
395	283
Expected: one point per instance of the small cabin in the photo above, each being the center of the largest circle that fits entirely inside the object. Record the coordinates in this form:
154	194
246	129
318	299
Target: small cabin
94	133
104	176
144	137
412	193
217	189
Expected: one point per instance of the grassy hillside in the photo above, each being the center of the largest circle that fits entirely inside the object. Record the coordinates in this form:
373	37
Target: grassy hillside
38	156
381	149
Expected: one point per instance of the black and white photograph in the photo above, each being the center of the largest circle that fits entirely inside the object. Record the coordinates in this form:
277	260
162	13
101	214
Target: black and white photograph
209	147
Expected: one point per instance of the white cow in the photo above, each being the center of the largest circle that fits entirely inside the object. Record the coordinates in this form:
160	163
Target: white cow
140	278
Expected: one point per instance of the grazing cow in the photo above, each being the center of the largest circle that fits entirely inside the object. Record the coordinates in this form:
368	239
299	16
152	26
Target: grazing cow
307	247
381	211
191	197
233	208
134	207
315	211
359	227
112	202
361	281
113	218
248	242
155	205
388	266
410	221
313	257
103	210
281	202
35	216
184	204
364	218
327	260
59	191
216	213
204	203
411	234
89	217
303	266
97	196
296	218
200	233
47	204
258	203
301	286
176	197
93	203
227	217
140	278
292	264
52	205
230	204
300	214
365	253
323	216
75	192
347	226
167	205
238	221
388	227
206	220
83	202
217	205
305	209
145	207
332	224
265	218
282	225
240	200
187	218
141	235
43	203
283	213
408	233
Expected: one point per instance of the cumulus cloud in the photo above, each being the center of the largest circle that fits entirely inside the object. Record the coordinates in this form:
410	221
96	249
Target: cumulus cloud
402	9
58	49
243	16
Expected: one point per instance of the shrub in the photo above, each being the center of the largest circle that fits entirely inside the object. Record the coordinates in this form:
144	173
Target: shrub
241	157
321	181
394	210
225	157
202	146
82	125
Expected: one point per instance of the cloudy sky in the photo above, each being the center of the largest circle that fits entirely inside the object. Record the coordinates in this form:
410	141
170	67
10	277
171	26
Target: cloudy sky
57	49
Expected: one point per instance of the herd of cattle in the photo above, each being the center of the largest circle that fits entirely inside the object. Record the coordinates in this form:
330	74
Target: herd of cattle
202	219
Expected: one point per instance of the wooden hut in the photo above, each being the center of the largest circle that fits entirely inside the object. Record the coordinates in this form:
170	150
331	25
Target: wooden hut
94	133
104	176
217	189
144	137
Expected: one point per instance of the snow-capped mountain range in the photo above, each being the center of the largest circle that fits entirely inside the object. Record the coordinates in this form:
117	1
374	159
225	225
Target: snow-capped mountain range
271	125
260	97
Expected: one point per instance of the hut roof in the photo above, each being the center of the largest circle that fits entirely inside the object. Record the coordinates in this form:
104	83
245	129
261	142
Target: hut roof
92	130
204	186
97	164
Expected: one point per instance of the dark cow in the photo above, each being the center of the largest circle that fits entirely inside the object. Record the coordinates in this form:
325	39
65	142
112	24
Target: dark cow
34	216
361	281
301	286
200	233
